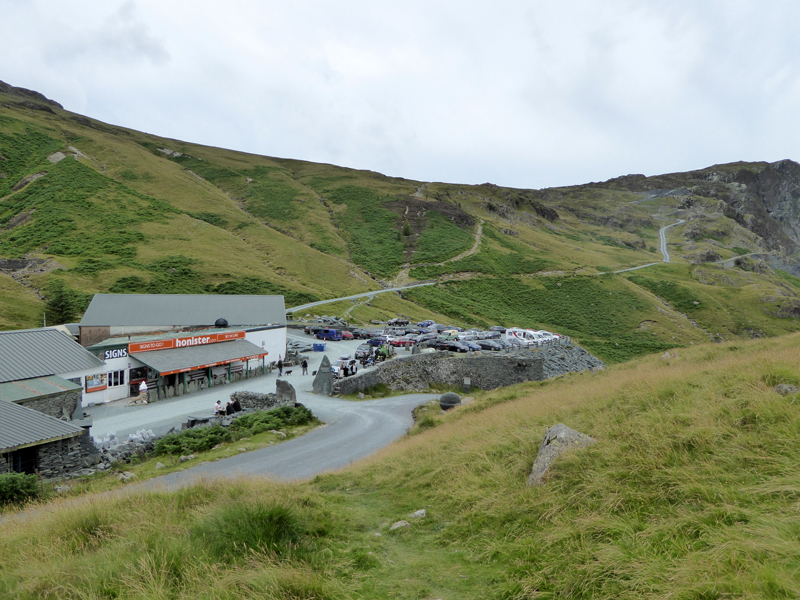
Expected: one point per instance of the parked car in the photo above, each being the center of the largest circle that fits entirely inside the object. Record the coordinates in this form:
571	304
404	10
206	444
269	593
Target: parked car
427	323
312	329
490	345
363	334
471	345
402	341
499	328
375	342
398	321
347	335
454	346
338	366
364	351
329	334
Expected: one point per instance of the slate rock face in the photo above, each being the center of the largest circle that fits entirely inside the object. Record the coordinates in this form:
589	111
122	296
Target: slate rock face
285	393
323	382
557	440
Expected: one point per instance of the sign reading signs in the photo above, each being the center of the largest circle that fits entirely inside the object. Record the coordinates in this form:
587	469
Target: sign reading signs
209	338
117	353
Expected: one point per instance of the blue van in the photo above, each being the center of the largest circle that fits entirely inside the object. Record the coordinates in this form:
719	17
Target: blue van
334	335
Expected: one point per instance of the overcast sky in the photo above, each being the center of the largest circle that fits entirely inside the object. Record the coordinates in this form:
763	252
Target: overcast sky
519	93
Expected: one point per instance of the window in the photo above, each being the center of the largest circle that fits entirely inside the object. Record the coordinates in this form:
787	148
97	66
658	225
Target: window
116	378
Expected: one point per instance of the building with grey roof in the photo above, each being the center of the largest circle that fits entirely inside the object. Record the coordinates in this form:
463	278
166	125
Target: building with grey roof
29	353
111	315
32	442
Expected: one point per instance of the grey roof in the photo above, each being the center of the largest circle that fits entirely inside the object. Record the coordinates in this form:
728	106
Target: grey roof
21	426
28	353
185	310
184	359
16	391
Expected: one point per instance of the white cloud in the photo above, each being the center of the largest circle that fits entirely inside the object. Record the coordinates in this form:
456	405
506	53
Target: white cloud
527	94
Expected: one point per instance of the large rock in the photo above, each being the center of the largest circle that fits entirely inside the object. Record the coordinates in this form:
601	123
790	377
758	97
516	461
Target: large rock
323	382
448	400
557	440
285	393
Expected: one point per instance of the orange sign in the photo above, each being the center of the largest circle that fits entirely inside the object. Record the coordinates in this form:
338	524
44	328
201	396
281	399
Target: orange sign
197	340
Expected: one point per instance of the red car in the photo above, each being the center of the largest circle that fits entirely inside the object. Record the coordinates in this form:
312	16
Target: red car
401	341
347	335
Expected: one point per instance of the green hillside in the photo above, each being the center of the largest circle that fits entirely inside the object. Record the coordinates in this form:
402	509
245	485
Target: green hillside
691	492
91	207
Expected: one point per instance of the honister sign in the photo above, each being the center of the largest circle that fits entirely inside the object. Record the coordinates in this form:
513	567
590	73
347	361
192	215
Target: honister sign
197	340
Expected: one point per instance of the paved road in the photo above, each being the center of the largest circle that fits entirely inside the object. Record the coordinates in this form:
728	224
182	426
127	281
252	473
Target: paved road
353	297
662	234
352	430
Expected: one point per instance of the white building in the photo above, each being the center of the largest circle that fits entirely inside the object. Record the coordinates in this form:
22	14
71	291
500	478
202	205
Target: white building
171	341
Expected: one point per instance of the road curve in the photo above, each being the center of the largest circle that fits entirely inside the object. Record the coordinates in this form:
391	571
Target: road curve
662	235
353	431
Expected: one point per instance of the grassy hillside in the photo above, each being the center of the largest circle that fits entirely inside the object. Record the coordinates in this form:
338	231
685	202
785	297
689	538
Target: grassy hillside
107	209
690	492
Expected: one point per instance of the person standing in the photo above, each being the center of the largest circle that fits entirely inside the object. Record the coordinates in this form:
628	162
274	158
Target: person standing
143	391
280	366
305	367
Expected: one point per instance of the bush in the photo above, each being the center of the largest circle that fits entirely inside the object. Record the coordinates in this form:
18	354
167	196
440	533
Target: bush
18	487
238	529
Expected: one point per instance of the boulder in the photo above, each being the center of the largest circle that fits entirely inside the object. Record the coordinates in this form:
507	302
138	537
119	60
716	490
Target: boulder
557	440
285	393
784	389
449	400
323	382
399	524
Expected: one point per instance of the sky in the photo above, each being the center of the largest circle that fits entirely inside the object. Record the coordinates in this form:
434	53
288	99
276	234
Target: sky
519	93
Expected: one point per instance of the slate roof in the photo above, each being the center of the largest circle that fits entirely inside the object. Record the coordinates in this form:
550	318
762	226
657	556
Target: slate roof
28	353
21	426
176	359
16	391
183	310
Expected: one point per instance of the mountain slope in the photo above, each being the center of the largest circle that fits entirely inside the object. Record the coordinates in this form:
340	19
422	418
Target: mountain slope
104	208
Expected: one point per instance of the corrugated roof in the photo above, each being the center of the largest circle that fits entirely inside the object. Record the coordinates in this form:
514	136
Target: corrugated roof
28	353
181	359
15	391
20	427
183	310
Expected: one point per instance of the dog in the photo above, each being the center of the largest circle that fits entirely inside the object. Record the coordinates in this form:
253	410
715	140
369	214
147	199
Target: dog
314	373
287	372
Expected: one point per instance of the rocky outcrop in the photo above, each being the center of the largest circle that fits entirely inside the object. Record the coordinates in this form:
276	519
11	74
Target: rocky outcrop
323	381
557	440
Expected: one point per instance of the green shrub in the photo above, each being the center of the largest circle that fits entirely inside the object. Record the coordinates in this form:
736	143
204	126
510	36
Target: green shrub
18	487
199	439
237	529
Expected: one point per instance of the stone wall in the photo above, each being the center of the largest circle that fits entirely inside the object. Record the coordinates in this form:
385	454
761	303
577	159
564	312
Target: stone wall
66	457
255	401
57	405
485	371
418	371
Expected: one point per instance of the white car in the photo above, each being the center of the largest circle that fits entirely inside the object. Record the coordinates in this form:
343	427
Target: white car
352	366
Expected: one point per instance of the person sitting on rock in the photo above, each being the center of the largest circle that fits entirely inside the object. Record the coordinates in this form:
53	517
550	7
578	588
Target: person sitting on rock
218	410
